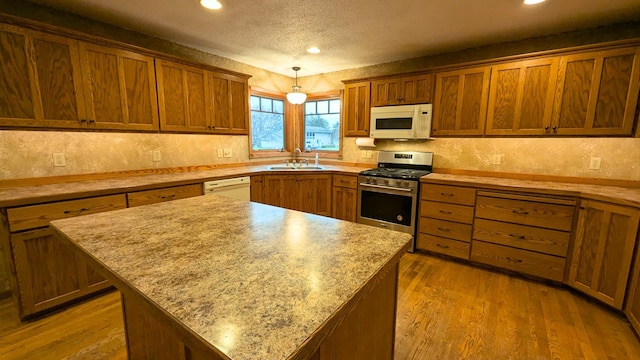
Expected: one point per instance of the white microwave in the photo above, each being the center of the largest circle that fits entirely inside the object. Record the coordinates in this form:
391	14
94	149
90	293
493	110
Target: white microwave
401	122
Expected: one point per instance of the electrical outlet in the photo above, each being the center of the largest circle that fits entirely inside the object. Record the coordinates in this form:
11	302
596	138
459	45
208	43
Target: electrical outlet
157	156
59	160
363	154
220	153
594	164
369	154
227	153
495	160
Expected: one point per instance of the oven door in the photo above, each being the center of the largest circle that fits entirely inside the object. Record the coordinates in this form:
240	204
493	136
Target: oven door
387	207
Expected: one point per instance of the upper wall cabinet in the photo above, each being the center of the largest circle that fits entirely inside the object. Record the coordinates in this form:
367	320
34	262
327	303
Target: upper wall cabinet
357	108
597	93
521	97
460	106
120	89
192	99
41	84
405	90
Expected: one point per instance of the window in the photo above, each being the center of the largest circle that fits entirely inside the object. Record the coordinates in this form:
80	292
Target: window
267	123
322	125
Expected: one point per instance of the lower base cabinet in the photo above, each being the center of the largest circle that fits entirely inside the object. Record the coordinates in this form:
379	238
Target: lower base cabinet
307	193
345	197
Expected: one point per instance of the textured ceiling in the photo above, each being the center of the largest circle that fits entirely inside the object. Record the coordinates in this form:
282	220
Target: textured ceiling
275	34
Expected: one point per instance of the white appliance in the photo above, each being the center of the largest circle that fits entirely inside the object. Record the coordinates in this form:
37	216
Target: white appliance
236	188
401	122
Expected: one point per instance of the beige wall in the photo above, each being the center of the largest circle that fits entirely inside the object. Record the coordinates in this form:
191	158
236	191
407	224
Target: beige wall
26	154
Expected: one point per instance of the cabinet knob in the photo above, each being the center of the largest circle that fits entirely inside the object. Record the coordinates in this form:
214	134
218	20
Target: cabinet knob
91	121
82	121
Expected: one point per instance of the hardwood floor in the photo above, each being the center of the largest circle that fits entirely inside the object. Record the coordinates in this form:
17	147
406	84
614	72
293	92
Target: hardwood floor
446	310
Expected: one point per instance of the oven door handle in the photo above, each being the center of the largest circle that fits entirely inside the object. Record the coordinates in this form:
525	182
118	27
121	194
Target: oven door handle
385	187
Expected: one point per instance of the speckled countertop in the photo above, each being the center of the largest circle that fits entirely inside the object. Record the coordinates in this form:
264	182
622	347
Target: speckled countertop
26	195
253	280
619	195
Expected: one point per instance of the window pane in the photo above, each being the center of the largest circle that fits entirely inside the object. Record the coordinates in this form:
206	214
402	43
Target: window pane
255	103
265	104
322	128
310	108
267	125
334	106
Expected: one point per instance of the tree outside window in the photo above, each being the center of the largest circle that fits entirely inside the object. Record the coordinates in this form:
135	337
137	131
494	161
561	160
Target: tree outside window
267	123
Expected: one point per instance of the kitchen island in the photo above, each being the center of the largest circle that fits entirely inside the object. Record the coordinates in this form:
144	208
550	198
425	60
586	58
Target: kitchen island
216	278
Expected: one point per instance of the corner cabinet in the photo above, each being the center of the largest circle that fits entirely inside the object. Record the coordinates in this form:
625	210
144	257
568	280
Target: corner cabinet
357	108
460	106
404	90
604	245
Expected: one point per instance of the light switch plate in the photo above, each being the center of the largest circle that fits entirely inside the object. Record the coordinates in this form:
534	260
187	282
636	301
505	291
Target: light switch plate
594	164
220	153
496	159
59	160
227	153
157	156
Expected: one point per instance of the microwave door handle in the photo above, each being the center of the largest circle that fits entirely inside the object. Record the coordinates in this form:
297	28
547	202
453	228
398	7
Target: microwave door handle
385	187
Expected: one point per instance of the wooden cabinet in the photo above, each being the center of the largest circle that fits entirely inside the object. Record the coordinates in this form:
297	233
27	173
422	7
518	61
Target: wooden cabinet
154	196
120	89
345	197
632	303
41	82
47	273
521	97
229	112
404	90
182	97
308	193
460	106
604	243
446	218
597	93
357	108
523	233
257	188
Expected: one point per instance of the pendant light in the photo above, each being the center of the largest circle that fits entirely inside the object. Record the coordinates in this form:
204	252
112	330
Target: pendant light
296	96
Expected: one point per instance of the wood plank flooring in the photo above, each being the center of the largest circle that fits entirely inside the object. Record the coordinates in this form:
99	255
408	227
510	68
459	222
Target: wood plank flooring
446	310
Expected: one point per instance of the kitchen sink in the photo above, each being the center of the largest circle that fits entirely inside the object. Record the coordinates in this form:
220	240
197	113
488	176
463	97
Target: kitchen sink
285	167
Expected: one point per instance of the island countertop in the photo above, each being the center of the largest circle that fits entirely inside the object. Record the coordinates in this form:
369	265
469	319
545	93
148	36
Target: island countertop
251	280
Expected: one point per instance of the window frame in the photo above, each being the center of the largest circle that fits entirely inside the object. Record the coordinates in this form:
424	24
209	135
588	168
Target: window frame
326	95
288	120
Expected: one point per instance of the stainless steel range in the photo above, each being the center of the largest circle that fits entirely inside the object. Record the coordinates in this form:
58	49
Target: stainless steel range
388	194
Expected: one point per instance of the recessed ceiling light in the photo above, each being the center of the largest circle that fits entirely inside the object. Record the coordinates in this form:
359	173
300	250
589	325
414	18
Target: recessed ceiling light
313	50
532	2
211	4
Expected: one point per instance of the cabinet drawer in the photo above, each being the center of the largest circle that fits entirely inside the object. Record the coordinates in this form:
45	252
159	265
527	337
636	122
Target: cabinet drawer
551	216
448	194
451	212
440	245
164	194
346	181
552	242
527	262
34	216
445	229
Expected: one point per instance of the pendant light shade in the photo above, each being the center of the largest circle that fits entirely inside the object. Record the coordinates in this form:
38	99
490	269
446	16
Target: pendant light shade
296	96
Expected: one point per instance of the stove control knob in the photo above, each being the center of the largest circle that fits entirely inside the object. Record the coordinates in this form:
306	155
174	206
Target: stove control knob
405	184
386	181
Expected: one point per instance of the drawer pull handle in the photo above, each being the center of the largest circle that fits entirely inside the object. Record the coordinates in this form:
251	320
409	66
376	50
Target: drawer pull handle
443	229
445	212
442	246
515	261
519	212
168	196
520	237
445	194
79	210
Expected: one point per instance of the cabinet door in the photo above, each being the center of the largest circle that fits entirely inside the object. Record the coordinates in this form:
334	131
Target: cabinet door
597	93
460	105
356	109
345	203
273	190
229	104
521	97
257	183
386	92
314	194
120	89
41	82
604	243
182	97
632	304
417	89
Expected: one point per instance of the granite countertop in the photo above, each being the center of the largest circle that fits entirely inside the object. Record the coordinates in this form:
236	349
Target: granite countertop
253	280
25	195
619	195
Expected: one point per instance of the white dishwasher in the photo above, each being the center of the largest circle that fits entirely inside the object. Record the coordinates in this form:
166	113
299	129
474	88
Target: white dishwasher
236	188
